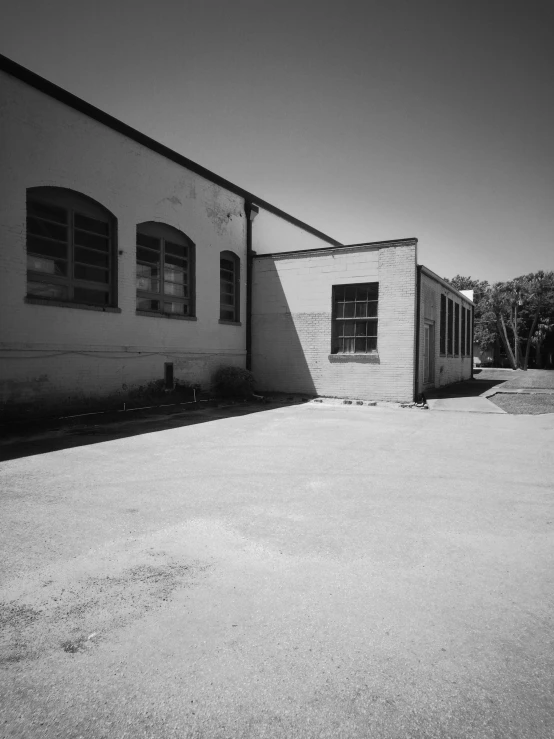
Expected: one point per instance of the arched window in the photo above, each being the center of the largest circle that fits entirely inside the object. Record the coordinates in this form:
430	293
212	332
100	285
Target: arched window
229	291
71	247
165	270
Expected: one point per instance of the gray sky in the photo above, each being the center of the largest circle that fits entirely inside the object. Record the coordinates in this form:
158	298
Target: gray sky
368	120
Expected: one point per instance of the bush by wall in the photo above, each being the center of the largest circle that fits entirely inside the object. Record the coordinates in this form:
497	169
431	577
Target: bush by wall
233	382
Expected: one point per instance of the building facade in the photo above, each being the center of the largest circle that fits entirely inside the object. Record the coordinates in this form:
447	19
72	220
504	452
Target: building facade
124	263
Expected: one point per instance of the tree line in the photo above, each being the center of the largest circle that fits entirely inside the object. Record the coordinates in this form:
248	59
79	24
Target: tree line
518	314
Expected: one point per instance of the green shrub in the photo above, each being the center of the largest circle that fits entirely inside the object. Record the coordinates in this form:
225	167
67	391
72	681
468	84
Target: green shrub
233	382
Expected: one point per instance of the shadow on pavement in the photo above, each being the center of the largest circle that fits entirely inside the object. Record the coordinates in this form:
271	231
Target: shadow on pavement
466	389
54	436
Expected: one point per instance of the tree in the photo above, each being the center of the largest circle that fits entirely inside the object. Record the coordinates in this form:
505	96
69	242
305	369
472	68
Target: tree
485	331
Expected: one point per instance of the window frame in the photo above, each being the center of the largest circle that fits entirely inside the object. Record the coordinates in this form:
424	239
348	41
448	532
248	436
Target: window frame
456	329
235	282
336	320
74	204
463	344
166	233
443	330
450	328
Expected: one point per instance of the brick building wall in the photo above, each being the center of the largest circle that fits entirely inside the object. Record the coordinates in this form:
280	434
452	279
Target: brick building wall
292	315
56	356
446	367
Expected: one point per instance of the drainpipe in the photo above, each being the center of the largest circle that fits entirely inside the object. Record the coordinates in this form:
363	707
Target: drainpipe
251	212
417	331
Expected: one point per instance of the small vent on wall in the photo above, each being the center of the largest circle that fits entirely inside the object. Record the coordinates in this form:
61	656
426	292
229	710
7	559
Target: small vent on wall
168	375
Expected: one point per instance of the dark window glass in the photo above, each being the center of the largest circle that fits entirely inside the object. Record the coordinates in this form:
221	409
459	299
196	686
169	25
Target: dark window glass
443	325
468	332
229	272
456	329
350	304
70	244
463	342
164	258
450	336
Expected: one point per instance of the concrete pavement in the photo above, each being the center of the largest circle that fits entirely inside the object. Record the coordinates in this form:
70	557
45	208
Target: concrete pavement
308	571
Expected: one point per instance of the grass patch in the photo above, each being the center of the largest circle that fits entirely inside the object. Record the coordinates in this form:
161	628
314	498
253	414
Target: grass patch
522	403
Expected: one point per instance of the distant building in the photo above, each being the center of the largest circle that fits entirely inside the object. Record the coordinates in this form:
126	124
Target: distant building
124	263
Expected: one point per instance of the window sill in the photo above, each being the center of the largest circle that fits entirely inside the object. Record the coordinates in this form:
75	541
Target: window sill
362	358
66	304
230	323
173	316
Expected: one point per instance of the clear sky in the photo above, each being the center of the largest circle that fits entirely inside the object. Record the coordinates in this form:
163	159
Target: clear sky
368	120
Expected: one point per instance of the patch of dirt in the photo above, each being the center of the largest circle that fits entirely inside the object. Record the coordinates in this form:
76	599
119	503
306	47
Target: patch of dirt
77	616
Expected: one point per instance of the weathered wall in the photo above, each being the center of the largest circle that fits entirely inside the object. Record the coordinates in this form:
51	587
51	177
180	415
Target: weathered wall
52	355
291	322
447	368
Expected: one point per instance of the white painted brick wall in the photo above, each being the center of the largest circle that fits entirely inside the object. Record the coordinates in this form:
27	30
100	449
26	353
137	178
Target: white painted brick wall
292	303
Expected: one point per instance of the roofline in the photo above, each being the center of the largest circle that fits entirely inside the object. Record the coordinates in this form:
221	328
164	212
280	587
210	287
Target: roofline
58	93
435	277
339	247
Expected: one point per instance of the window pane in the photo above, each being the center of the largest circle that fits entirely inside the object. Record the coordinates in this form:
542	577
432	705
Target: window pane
92	240
340	310
43	247
43	228
361	293
146	255
361	310
95	258
44	290
349	292
227	299
46	266
174	274
348	328
361	328
339	293
92	274
372	344
178	261
227	264
172	288
349	310
349	346
227	315
148	285
43	210
150	241
176	308
360	345
91	224
372	328
147	270
151	305
373	291
85	295
176	249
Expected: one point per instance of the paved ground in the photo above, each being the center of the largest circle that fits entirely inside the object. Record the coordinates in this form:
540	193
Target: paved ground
309	571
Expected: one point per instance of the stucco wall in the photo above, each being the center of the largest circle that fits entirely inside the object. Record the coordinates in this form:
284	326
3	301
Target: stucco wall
291	323
447	368
56	354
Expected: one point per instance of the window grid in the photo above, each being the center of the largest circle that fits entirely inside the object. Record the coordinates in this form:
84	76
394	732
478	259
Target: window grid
463	331
69	252
355	318
229	286
443	325
163	270
450	335
456	329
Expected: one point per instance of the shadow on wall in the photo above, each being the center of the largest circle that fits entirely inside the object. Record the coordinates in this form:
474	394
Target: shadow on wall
279	361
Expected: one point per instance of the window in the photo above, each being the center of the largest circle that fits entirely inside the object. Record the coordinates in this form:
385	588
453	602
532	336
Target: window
355	318
463	331
165	270
70	248
450	336
456	329
229	284
469	314
443	325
